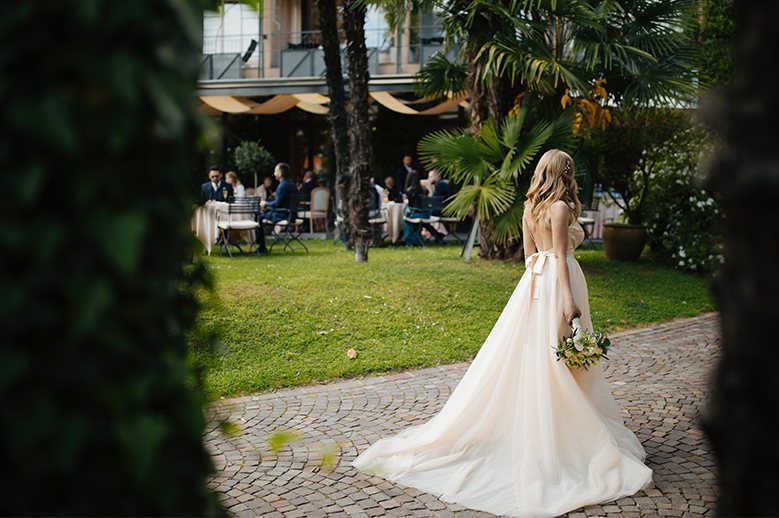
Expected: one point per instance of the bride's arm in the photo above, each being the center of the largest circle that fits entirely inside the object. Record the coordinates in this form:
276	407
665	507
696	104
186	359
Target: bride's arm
560	220
527	238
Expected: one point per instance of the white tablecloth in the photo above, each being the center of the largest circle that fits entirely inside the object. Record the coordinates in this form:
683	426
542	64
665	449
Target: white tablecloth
204	223
395	220
607	211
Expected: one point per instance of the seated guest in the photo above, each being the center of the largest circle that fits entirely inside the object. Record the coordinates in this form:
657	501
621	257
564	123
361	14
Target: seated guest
273	210
232	178
309	182
441	186
413	188
412	232
265	191
415	193
392	191
379	191
216	188
442	189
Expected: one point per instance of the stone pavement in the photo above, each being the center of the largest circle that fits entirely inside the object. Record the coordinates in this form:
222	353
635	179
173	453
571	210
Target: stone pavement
658	374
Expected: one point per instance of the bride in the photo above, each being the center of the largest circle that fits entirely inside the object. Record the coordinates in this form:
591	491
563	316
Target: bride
523	434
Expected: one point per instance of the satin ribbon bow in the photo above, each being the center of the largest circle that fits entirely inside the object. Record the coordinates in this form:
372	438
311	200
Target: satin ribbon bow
536	262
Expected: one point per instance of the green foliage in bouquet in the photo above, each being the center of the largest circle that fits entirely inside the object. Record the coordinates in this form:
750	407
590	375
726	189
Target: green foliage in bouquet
99	412
582	349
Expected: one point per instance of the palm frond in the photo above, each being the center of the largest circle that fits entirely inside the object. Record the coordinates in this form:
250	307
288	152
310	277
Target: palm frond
562	136
439	77
535	62
527	147
489	138
461	203
455	154
662	83
495	197
507	226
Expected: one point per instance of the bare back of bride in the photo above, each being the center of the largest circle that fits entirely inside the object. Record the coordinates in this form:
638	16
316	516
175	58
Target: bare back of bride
523	434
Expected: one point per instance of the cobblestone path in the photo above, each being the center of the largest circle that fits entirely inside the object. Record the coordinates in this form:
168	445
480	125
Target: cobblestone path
658	374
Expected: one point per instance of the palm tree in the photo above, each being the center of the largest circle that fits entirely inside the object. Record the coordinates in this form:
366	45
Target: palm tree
539	52
338	114
492	167
349	124
642	48
359	128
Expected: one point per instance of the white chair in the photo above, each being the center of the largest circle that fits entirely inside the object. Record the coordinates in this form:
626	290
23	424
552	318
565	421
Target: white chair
319	207
588	224
239	216
377	221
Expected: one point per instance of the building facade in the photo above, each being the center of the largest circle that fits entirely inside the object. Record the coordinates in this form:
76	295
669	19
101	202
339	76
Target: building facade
263	73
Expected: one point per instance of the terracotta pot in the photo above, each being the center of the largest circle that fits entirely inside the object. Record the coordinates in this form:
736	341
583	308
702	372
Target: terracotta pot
623	242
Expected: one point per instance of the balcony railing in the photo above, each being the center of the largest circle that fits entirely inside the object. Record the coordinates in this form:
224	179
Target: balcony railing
299	54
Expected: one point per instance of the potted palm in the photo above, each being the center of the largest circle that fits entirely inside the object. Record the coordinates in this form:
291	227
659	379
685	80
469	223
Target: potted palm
493	168
626	167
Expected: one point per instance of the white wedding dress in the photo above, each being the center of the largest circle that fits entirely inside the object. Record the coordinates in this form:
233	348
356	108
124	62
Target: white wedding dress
522	434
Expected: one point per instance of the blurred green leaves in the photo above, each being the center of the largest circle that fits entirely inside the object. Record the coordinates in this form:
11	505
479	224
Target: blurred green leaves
281	439
100	414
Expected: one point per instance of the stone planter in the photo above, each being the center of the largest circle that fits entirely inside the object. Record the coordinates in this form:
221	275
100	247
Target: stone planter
623	242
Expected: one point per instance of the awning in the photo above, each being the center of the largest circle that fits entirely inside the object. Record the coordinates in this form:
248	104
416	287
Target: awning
391	102
315	103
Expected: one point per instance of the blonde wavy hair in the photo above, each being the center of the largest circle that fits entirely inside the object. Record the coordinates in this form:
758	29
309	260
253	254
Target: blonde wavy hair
553	180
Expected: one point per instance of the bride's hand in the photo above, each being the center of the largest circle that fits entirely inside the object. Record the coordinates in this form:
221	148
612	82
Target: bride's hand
571	311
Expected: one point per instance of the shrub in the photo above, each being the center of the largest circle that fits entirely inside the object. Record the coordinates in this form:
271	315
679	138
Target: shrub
683	217
716	35
625	151
252	158
98	415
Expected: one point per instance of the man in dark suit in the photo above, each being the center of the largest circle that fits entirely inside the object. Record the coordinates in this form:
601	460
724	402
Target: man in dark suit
309	182
215	188
272	209
441	186
402	172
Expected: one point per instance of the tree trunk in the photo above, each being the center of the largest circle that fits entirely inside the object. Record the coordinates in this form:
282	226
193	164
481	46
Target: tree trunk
359	128
491	100
477	98
742	418
338	115
489	249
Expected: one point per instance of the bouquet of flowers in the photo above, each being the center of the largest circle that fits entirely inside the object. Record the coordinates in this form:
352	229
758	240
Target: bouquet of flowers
582	349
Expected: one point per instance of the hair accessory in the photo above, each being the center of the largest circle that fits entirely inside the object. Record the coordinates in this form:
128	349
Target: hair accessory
567	166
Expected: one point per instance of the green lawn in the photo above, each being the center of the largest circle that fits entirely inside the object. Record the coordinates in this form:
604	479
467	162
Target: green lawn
289	319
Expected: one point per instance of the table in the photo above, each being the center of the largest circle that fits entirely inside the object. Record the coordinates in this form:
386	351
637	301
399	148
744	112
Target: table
204	223
607	211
